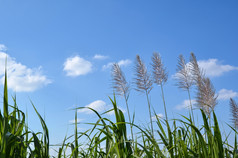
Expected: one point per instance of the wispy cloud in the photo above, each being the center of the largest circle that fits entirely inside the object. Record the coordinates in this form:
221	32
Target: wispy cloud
76	66
124	63
20	77
100	57
159	116
3	48
97	105
225	94
78	120
100	106
214	68
107	66
185	104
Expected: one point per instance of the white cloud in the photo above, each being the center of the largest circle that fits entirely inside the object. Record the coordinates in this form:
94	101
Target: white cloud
159	116
214	68
97	105
109	65
76	66
21	78
78	120
100	57
185	104
3	48
225	94
100	106
125	63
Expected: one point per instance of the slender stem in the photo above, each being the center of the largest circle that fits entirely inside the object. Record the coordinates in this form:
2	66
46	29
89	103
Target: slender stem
191	106
152	129
128	112
164	102
147	96
76	133
191	109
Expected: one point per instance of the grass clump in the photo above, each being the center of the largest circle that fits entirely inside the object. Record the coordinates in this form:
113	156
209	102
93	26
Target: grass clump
16	140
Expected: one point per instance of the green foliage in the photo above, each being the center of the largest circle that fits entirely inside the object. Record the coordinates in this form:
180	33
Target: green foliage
15	138
182	138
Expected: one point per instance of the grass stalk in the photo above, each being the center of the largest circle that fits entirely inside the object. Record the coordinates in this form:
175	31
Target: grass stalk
128	113
149	106
165	111
190	102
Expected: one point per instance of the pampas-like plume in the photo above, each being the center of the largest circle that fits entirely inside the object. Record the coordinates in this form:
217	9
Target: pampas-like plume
234	111
184	74
159	72
160	76
144	83
142	80
120	84
206	97
121	87
184	78
197	72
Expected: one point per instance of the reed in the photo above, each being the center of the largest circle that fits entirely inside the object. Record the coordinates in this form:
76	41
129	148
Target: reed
143	83
206	96
160	76
185	78
121	87
234	112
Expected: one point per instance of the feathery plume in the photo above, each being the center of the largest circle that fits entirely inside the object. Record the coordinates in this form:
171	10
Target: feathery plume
142	80
206	96
184	74
121	87
197	72
234	111
120	84
144	83
185	78
160	75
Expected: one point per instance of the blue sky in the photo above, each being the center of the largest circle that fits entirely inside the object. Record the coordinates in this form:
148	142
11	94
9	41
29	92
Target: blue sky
59	53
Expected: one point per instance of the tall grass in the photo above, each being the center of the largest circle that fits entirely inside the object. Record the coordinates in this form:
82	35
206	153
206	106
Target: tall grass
16	140
143	83
109	139
160	76
185	79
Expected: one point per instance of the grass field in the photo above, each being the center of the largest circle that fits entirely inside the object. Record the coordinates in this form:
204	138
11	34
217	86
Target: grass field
164	138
